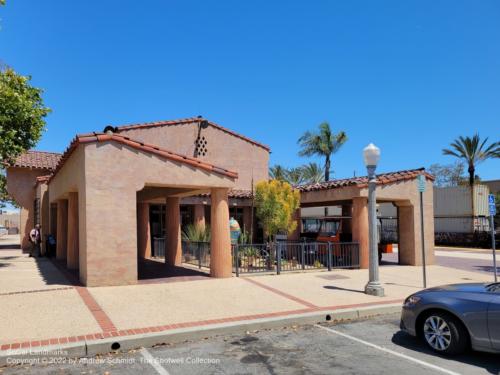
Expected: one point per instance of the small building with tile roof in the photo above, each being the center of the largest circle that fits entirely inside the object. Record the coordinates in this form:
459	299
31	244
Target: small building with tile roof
113	196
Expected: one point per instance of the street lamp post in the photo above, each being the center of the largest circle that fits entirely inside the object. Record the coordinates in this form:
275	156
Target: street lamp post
371	155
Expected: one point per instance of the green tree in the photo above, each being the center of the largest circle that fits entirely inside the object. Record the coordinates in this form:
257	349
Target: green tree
473	151
276	202
323	143
278	172
22	117
312	173
294	176
448	174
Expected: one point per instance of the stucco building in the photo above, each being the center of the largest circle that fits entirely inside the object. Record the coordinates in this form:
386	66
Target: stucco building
111	192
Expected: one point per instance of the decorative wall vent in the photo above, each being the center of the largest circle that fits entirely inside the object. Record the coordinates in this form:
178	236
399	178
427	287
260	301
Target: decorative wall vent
200	146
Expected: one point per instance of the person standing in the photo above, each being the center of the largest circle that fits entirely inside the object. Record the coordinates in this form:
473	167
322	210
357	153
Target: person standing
35	240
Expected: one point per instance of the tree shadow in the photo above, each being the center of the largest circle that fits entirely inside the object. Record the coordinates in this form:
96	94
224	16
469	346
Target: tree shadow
487	361
489	269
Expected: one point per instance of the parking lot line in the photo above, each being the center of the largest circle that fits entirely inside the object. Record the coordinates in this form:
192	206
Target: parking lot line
392	352
153	362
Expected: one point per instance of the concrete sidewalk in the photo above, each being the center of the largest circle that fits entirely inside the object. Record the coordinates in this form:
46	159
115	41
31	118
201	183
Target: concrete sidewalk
41	307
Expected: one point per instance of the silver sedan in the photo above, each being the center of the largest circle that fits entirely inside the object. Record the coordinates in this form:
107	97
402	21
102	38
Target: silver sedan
453	318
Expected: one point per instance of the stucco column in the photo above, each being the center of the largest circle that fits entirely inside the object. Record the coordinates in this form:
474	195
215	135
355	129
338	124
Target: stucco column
173	249
62	229
247	218
199	215
143	231
295	235
410	242
220	248
360	229
347	223
72	244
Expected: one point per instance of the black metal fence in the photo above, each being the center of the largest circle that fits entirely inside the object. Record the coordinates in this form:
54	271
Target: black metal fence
272	257
159	247
196	253
294	256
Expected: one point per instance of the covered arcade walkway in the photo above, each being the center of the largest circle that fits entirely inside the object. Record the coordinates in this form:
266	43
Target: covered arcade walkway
100	193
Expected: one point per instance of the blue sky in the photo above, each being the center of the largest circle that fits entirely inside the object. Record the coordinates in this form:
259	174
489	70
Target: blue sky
409	76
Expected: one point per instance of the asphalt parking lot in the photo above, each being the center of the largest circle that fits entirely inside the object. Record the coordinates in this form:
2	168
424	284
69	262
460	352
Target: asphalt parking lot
374	346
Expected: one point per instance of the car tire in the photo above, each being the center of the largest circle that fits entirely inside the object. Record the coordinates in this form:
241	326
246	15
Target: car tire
454	338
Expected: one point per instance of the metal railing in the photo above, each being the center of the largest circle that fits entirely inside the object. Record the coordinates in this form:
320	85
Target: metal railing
294	256
159	247
196	253
272	257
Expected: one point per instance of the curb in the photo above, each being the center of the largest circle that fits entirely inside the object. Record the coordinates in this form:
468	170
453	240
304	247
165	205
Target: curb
103	346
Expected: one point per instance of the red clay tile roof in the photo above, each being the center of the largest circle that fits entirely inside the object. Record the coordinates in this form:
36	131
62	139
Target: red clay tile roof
37	160
382	179
234	193
153	149
43	178
189	121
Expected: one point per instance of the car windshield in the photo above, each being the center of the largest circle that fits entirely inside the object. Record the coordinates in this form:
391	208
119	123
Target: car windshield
493	288
330	227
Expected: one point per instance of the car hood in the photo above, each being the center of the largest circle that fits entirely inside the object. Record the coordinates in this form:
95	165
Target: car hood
466	287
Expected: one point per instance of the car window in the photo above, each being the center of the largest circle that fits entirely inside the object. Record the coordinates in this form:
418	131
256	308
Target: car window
330	227
493	288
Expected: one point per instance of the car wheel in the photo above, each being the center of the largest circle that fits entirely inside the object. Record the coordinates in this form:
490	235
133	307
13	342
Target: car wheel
444	333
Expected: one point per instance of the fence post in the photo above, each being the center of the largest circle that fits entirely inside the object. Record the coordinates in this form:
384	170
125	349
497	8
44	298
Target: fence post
278	258
303	256
236	260
329	256
199	255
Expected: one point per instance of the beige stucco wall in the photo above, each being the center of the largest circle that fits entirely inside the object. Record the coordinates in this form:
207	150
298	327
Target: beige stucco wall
42	193
223	149
107	177
406	196
71	178
21	187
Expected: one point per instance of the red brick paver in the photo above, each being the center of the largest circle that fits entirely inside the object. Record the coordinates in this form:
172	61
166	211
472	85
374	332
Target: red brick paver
100	316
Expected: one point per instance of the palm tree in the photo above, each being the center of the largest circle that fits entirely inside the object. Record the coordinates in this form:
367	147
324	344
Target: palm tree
473	151
294	176
324	143
313	173
278	172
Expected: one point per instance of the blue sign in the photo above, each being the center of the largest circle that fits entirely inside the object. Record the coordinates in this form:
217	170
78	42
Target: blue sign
421	183
492	205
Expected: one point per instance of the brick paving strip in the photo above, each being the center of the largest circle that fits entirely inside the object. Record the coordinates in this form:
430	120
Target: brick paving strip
280	293
109	330
169	327
99	315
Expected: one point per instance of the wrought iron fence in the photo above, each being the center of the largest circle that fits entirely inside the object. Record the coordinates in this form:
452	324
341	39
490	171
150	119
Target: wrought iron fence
196	253
159	247
294	256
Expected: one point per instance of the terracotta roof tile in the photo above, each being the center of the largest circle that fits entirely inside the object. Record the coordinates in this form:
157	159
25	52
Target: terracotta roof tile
37	160
153	149
189	121
382	179
235	194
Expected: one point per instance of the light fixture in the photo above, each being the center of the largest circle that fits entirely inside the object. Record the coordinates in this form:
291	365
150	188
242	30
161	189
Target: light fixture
371	155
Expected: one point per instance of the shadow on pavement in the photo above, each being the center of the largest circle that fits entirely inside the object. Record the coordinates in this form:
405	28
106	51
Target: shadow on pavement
331	287
484	360
10	247
55	272
152	269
